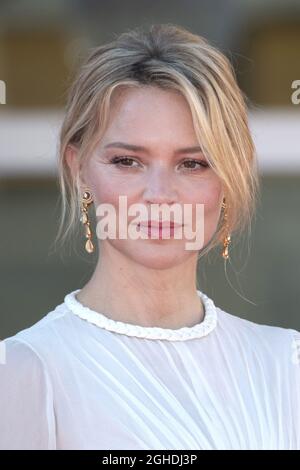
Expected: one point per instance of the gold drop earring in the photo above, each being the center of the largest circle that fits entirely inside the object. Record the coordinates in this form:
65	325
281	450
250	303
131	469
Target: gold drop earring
86	201
227	238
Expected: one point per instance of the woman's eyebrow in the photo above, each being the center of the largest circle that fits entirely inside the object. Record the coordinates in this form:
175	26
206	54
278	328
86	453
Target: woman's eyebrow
139	148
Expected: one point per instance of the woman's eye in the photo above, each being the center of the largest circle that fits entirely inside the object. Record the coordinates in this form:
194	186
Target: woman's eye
127	162
201	163
121	161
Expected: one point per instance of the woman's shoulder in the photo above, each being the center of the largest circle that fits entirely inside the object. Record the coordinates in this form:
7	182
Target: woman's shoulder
41	336
234	320
270	340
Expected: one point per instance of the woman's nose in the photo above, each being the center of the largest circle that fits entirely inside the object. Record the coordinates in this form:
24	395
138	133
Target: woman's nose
160	188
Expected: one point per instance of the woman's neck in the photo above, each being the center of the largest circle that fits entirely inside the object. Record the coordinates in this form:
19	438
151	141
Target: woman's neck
145	297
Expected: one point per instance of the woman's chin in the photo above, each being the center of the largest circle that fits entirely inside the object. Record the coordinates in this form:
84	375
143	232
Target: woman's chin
159	257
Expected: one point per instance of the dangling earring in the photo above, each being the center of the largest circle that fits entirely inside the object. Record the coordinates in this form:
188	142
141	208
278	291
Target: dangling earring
227	238
86	200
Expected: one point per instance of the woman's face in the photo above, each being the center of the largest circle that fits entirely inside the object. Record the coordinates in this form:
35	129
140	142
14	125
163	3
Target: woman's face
159	121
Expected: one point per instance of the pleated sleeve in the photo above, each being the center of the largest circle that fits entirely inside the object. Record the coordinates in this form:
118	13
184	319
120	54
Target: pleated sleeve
27	420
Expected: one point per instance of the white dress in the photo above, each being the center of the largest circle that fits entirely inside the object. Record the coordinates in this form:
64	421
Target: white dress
79	380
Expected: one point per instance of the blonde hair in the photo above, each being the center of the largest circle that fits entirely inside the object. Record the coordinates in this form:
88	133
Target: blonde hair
169	57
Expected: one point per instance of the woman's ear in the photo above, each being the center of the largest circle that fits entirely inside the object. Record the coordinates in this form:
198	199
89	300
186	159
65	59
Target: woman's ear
71	159
71	156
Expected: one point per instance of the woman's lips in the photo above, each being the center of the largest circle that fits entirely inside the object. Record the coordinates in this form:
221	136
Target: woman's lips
159	230
159	225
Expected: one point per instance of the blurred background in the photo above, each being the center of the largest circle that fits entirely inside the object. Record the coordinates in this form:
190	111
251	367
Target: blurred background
41	43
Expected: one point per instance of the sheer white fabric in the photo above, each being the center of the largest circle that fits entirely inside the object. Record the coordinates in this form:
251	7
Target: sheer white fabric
79	380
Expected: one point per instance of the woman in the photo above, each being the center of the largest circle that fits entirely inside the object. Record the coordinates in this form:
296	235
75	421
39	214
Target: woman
139	358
